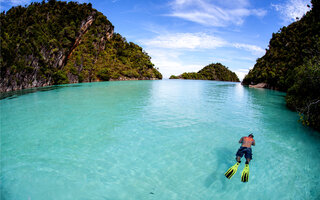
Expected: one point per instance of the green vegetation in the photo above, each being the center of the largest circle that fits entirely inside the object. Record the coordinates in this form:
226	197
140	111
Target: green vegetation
59	42
304	95
291	64
174	77
215	71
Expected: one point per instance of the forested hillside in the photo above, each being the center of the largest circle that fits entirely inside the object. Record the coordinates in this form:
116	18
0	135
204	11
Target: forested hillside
59	42
215	71
291	64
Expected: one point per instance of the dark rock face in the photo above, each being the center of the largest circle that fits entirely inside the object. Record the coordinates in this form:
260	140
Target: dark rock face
59	42
56	58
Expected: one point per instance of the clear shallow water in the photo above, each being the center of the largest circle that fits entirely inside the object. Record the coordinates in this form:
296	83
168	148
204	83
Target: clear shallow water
170	139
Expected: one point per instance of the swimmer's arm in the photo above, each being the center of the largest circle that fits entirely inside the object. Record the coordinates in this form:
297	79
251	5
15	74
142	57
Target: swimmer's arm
241	140
254	143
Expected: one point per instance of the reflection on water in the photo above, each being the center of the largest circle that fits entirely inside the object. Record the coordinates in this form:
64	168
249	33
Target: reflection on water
15	94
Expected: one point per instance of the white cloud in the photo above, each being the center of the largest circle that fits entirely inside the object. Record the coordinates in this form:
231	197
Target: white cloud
197	42
255	50
170	63
243	70
240	74
219	13
172	53
186	41
292	9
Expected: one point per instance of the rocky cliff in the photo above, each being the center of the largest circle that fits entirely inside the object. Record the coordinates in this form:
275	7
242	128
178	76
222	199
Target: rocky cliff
59	42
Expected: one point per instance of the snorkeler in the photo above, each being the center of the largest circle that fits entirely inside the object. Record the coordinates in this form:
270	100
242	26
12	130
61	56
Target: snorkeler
245	150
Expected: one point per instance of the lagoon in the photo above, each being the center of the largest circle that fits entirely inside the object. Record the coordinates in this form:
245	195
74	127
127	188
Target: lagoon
168	139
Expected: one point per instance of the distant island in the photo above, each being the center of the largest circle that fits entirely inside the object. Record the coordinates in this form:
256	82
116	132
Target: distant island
214	71
58	42
292	64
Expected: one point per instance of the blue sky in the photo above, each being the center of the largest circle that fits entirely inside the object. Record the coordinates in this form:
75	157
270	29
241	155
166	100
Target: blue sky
186	35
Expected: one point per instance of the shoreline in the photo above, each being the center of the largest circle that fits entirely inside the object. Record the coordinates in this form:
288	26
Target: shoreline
262	86
48	85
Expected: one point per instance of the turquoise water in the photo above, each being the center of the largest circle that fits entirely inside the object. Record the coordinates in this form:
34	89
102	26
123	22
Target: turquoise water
169	139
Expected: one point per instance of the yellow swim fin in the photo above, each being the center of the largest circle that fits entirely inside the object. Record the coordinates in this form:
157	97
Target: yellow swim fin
232	171
245	174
